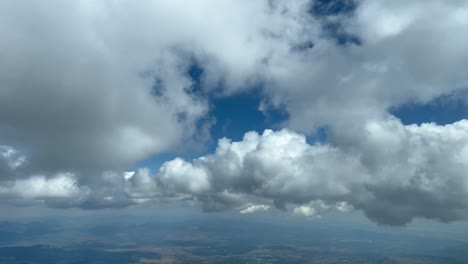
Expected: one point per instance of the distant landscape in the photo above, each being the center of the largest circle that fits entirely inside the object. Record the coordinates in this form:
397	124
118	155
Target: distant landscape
218	240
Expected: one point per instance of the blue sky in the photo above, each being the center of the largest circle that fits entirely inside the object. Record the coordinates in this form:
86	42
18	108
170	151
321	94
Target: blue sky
441	110
239	113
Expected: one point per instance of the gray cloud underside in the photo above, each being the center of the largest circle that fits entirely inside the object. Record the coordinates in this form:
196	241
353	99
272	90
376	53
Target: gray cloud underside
89	88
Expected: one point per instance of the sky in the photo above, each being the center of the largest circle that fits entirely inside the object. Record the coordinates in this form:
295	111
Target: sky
304	107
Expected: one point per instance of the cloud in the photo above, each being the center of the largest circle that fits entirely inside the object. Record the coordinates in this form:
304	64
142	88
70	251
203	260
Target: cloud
88	89
79	94
10	161
405	53
393	174
107	86
61	186
304	210
91	88
181	176
254	208
316	208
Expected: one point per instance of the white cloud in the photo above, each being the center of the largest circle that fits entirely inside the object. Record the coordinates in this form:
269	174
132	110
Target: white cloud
63	185
394	173
391	172
93	87
86	103
181	176
409	52
304	210
254	208
108	85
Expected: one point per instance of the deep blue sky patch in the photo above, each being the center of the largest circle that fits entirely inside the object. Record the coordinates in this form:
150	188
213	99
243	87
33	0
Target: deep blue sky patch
322	9
238	114
332	7
442	110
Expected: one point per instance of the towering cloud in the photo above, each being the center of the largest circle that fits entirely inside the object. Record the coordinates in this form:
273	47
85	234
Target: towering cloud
89	88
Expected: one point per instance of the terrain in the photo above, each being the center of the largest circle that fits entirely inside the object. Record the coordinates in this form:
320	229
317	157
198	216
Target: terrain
220	239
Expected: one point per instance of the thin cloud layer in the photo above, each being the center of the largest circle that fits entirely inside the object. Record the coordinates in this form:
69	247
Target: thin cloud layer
87	89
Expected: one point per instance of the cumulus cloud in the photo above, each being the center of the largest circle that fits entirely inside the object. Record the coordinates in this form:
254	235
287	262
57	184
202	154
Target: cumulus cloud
89	88
394	174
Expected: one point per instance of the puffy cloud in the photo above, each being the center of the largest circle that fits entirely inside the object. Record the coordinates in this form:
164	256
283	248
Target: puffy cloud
61	186
316	208
180	176
91	87
305	210
393	173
